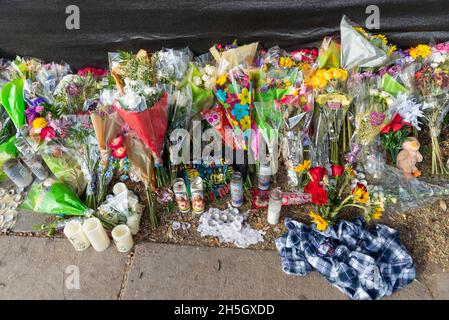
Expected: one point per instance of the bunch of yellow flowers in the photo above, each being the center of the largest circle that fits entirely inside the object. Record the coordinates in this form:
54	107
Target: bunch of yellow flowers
422	50
322	76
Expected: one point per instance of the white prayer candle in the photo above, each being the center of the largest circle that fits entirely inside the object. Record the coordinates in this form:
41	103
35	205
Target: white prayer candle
274	206
96	234
74	232
122	238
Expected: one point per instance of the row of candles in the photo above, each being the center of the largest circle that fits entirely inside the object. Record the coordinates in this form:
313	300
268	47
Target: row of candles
92	232
236	186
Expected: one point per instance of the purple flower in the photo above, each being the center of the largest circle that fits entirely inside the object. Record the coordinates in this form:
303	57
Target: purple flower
352	156
376	118
73	90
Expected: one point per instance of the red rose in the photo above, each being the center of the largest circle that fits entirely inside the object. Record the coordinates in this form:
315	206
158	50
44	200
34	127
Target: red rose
317	173
319	195
337	170
48	133
116	143
119	153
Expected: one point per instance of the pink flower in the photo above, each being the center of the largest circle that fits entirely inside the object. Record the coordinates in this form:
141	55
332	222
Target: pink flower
48	133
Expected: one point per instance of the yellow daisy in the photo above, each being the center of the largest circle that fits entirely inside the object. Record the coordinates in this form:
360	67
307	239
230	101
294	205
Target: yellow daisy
377	214
422	50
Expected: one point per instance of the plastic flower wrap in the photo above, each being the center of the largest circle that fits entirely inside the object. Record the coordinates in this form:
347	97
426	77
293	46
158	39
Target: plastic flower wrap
144	109
63	163
54	197
228	57
276	75
122	208
333	102
8	72
47	77
12	100
297	110
372	112
269	119
362	49
81	139
235	92
7	151
432	84
172	66
200	77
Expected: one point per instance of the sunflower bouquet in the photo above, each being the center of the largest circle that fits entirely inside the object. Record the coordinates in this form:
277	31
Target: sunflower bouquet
342	188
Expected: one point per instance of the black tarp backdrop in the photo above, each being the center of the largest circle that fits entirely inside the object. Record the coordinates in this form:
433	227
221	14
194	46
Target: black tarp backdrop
37	27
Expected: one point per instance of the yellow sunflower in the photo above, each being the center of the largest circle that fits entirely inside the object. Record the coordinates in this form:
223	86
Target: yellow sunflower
303	167
321	224
422	50
361	194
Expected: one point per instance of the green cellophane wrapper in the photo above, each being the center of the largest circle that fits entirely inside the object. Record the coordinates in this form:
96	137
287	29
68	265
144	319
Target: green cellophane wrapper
7	151
202	98
53	197
11	97
64	166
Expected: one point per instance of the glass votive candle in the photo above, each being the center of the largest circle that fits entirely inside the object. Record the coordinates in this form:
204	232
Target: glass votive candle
274	206
122	238
73	230
96	234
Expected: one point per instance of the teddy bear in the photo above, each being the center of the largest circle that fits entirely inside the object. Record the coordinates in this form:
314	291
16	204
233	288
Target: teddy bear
408	157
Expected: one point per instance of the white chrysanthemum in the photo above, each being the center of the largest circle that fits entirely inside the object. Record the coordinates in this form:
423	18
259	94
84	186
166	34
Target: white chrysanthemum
409	109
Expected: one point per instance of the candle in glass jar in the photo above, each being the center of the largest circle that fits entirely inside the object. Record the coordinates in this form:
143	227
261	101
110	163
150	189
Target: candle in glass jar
96	234
274	206
73	230
180	190
122	238
236	189
196	191
264	176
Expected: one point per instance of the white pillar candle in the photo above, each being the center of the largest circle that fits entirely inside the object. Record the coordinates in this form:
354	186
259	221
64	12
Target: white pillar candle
74	232
122	238
274	206
96	234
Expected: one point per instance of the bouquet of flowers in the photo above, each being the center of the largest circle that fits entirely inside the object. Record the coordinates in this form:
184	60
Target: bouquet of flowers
81	138
332	193
276	76
54	197
432	83
201	77
360	48
393	136
334	102
297	111
230	56
235	92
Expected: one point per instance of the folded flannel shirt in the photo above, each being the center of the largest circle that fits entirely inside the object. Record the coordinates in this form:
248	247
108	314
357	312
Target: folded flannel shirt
362	263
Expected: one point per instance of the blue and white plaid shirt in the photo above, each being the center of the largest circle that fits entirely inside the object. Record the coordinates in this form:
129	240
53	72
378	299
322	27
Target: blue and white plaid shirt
364	264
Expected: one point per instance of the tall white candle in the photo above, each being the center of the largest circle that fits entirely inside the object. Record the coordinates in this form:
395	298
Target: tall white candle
122	238
74	232
274	206
96	234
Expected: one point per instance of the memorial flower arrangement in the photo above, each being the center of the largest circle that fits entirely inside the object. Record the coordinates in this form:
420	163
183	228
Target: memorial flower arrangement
331	193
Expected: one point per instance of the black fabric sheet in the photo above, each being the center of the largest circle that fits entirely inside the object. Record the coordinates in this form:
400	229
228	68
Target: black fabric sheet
37	27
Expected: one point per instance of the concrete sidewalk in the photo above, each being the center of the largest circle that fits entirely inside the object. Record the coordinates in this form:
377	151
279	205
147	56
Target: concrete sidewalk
40	268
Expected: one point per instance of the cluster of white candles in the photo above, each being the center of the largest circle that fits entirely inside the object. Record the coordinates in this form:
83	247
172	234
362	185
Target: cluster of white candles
91	232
